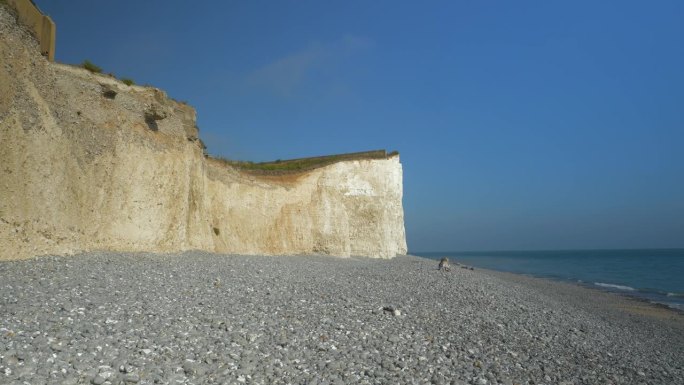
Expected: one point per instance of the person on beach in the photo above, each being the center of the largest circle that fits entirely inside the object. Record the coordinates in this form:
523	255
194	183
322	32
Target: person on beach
444	264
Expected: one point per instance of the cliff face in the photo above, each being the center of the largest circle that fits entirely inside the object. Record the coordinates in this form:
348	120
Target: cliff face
89	163
348	208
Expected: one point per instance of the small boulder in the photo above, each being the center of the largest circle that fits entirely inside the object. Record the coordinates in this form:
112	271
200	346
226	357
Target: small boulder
391	310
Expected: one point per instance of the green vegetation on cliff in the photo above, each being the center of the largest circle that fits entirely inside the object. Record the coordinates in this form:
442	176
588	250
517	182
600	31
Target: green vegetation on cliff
305	164
87	64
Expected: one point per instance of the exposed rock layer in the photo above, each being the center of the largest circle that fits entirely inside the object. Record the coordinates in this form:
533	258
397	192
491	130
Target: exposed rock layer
89	163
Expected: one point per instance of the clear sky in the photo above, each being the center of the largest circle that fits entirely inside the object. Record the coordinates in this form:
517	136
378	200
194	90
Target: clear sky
521	124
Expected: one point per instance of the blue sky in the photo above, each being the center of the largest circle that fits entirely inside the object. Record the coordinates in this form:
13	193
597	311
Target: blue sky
521	125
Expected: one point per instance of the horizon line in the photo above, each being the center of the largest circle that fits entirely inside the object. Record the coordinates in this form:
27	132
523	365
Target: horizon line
538	250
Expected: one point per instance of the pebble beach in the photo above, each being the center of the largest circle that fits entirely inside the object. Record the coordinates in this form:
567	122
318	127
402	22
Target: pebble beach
200	318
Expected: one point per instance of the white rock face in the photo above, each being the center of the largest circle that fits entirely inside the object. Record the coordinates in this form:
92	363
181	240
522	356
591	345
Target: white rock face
80	171
347	208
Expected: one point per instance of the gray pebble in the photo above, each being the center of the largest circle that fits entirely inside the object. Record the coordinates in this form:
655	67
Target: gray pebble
312	320
131	377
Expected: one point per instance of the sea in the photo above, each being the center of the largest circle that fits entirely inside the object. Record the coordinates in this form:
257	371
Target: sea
655	275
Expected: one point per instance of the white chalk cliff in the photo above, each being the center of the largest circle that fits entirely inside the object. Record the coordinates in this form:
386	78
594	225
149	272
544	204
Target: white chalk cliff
89	163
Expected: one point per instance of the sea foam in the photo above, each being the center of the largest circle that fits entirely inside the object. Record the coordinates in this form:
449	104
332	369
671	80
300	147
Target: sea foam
612	286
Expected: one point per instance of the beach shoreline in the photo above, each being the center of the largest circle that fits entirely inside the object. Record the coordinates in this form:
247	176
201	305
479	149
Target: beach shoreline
195	317
599	299
650	274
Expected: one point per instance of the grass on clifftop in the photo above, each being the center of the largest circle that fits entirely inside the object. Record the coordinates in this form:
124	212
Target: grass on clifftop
92	67
87	64
304	164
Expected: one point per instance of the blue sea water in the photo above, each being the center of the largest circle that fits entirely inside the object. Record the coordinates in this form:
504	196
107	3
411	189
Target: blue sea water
656	275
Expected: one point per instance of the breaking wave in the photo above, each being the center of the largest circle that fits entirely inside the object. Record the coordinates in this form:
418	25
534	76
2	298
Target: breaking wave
612	286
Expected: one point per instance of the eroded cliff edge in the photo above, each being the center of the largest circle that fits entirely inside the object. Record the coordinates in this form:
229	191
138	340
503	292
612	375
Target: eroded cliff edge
89	163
